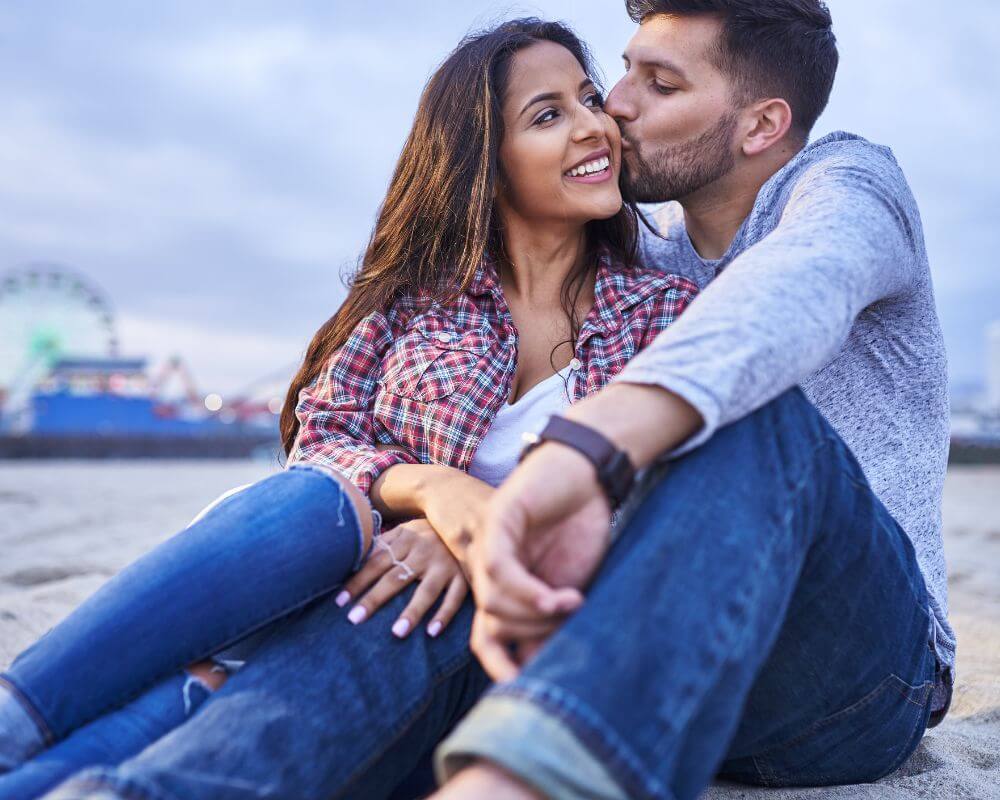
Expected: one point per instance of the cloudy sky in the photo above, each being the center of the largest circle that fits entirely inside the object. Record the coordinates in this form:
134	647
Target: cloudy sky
215	167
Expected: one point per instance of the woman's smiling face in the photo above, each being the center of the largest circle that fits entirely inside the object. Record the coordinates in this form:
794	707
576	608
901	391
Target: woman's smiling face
561	153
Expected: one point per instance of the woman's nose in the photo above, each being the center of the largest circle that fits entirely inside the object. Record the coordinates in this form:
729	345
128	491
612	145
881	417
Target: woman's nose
587	124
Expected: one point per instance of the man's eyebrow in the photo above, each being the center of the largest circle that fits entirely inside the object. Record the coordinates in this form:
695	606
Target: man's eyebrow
662	63
538	98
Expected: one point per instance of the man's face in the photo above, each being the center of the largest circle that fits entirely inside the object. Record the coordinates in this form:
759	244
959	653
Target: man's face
675	110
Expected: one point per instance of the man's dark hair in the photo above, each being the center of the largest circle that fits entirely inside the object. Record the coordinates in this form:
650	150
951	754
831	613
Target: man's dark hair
770	48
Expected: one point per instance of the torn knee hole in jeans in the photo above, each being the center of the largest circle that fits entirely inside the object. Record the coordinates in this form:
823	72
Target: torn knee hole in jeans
196	682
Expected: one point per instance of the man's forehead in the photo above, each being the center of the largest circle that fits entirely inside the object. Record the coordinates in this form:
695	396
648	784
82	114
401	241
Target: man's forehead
683	44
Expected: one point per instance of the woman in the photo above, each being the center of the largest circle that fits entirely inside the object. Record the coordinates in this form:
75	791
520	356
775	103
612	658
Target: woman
498	286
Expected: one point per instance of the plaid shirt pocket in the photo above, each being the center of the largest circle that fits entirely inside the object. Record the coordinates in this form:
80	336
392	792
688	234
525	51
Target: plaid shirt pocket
431	359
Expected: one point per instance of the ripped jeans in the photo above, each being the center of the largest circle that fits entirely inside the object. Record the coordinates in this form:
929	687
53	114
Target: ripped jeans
252	559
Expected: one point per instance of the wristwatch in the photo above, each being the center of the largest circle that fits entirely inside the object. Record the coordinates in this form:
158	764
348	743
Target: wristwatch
615	471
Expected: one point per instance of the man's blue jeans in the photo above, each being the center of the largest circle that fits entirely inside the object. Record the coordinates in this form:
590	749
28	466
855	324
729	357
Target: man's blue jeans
762	616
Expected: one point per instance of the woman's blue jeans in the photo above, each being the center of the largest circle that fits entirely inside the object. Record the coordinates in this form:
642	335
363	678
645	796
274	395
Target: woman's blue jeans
254	558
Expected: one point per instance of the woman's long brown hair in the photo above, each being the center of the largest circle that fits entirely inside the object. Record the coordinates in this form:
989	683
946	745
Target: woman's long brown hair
437	221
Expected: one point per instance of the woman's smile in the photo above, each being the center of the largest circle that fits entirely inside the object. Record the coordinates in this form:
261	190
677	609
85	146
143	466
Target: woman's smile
594	168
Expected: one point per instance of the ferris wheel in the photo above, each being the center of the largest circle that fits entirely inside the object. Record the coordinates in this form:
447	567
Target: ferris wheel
48	312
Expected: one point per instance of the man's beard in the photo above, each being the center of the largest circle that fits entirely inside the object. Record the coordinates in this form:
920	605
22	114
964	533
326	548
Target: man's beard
676	171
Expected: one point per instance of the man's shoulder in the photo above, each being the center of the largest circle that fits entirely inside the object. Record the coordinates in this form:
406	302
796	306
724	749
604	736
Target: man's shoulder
841	154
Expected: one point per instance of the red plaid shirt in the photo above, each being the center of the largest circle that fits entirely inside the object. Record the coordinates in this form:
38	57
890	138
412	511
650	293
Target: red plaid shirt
431	381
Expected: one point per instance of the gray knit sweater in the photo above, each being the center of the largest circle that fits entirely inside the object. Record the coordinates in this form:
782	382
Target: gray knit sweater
826	286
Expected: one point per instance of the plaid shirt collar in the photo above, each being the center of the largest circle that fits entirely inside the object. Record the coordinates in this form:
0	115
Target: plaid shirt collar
616	289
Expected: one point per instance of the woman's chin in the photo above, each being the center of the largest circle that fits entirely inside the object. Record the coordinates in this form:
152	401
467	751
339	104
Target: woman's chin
604	210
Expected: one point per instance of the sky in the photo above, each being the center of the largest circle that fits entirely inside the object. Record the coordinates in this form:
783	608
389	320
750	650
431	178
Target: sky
216	168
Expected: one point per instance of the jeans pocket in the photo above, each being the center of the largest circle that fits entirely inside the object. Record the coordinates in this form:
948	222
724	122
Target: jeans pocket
858	744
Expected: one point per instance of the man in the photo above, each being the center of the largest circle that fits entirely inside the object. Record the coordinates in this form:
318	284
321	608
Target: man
763	613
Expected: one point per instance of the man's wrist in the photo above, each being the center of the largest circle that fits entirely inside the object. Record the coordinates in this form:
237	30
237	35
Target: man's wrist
642	420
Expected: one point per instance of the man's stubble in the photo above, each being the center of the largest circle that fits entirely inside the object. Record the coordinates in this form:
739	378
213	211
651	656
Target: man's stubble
676	171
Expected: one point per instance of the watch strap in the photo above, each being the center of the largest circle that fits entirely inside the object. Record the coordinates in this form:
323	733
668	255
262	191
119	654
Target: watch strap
615	471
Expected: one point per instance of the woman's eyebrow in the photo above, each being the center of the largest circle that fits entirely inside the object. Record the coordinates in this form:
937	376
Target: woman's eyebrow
538	98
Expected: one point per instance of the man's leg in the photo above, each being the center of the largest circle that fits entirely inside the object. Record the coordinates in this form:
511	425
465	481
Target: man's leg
321	710
762	613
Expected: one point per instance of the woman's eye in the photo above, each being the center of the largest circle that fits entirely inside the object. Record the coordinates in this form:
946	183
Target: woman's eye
594	100
546	116
664	90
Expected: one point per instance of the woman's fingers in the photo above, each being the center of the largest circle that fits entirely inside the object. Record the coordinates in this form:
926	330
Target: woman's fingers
378	563
375	567
387	587
455	595
427	593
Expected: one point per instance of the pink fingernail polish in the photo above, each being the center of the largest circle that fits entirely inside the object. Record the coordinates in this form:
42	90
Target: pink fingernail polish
435	627
343	598
401	627
358	614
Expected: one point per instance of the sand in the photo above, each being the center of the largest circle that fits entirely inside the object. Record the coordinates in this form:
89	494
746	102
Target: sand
66	527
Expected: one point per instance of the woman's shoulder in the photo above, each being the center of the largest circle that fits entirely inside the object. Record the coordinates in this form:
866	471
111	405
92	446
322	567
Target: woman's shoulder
463	310
631	284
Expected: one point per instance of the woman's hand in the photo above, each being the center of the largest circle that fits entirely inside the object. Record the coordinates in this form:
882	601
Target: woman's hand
411	551
451	500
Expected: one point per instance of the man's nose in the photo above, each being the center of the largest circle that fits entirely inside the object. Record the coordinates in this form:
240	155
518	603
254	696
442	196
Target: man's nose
619	102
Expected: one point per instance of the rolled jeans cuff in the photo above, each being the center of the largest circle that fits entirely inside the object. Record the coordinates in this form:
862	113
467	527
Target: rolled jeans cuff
535	746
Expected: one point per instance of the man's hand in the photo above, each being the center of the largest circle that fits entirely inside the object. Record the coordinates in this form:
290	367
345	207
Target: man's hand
547	527
547	530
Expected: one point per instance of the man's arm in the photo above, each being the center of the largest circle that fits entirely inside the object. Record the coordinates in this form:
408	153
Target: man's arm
849	236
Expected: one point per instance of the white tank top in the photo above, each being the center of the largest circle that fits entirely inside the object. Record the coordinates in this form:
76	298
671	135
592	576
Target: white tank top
497	453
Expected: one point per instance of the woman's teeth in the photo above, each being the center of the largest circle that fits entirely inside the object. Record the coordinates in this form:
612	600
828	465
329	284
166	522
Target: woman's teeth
590	167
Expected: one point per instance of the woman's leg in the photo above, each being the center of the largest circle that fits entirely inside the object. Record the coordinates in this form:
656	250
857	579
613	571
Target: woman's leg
252	559
323	709
111	739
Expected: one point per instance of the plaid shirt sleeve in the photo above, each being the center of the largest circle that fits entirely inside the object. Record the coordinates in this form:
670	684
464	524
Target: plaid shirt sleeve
335	412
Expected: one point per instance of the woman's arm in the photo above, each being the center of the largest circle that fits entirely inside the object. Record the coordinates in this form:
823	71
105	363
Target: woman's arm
336	411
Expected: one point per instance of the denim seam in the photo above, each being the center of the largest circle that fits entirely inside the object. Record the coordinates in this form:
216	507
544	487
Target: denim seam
597	736
451	667
919	728
21	697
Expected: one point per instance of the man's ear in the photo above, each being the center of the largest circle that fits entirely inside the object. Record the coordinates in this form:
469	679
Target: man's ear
768	122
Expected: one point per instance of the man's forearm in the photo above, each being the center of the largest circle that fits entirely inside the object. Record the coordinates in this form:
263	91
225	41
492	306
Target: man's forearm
642	420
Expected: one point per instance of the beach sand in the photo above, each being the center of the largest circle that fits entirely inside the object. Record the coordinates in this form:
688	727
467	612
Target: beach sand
65	527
